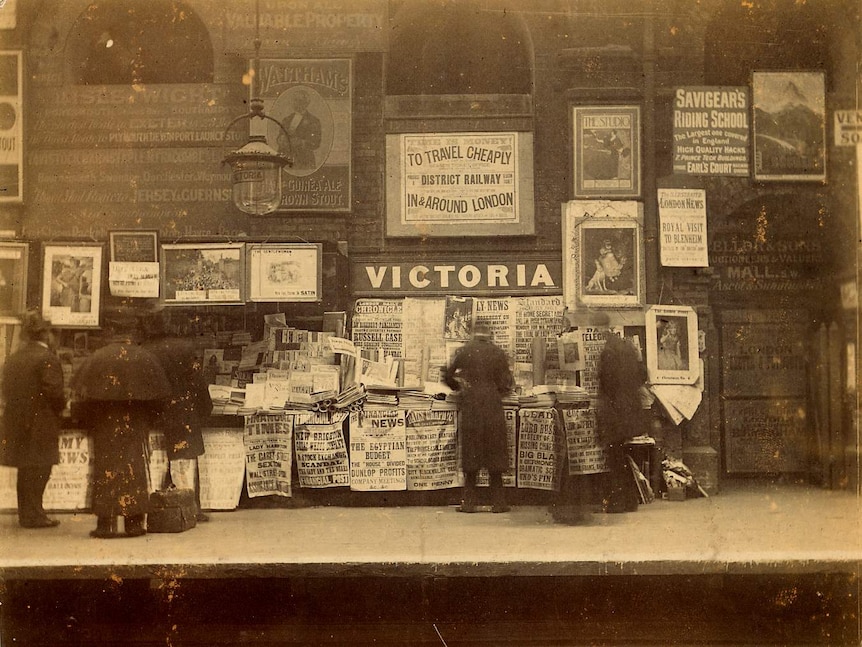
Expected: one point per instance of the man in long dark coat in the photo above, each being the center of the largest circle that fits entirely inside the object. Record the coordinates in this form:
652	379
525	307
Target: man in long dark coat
34	400
480	371
620	417
184	414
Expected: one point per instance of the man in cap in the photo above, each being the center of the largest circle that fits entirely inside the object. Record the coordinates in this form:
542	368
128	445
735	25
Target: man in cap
480	372
34	399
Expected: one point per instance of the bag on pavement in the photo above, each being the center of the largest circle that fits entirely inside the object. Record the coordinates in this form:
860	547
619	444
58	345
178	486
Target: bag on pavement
172	509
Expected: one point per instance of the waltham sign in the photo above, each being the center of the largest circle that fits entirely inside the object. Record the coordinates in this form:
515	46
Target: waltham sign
434	277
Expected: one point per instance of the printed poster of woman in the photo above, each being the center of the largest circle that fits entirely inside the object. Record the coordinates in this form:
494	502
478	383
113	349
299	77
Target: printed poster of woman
458	318
672	343
608	261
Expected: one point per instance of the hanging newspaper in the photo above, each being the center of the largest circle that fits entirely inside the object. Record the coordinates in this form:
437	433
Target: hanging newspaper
539	450
267	441
483	478
70	486
321	455
378	450
499	315
682	213
537	317
222	469
586	454
424	348
377	326
432	450
593	343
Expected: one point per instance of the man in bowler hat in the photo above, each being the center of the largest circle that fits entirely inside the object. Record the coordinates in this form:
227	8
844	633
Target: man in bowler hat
34	399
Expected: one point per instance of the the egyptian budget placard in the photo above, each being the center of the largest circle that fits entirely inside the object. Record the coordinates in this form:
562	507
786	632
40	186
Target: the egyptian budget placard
586	454
378	450
321	455
432	450
267	454
539	450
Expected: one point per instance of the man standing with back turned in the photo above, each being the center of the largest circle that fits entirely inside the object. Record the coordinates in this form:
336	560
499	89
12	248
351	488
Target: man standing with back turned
480	371
34	400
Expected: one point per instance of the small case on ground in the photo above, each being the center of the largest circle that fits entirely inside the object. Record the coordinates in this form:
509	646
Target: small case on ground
172	510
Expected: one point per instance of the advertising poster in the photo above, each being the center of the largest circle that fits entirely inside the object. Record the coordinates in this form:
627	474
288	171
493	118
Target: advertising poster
463	184
592	345
603	255
682	217
424	347
70	486
321	455
586	454
222	468
378	450
432	450
377	325
285	272
311	99
607	151
711	131
267	441
789	126
539	450
537	317
499	316
509	476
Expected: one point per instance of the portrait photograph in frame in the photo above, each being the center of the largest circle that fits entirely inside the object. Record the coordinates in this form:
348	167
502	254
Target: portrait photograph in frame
285	272
72	284
789	122
603	262
671	345
606	151
134	246
203	273
14	258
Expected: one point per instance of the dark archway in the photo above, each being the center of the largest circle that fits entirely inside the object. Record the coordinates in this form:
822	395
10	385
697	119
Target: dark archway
458	48
124	42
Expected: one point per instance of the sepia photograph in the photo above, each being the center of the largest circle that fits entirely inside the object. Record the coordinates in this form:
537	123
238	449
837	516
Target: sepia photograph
430	323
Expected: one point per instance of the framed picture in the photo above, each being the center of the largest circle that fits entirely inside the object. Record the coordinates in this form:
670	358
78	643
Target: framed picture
285	271
203	273
134	246
603	263
72	284
789	126
671	344
606	151
13	278
312	125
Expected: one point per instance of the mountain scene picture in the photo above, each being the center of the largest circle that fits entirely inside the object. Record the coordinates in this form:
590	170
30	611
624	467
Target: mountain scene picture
789	126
